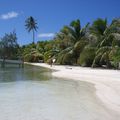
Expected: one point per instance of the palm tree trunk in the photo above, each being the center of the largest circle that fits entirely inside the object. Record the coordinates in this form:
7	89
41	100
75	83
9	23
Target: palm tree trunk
33	37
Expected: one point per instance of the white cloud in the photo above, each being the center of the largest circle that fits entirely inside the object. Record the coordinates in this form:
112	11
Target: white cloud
9	15
46	35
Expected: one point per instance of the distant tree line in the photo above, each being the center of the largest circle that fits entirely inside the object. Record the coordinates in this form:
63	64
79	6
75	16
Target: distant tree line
96	44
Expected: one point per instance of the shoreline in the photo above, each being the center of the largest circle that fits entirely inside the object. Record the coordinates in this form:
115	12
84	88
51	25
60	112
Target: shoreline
106	82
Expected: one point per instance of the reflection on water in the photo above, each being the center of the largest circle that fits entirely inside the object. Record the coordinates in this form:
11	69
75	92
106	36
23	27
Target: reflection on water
14	73
32	94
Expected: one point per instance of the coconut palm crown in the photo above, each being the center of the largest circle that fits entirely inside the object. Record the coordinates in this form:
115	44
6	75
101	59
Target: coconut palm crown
31	25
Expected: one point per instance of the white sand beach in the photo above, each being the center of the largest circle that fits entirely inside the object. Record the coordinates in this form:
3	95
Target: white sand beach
107	82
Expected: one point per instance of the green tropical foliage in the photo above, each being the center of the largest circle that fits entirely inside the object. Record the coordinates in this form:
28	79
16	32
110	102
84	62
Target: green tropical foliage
32	54
94	45
9	46
86	57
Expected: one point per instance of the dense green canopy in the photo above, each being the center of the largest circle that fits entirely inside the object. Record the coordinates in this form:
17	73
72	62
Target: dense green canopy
94	45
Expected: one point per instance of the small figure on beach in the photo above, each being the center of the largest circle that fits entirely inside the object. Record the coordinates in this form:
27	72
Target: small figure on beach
54	60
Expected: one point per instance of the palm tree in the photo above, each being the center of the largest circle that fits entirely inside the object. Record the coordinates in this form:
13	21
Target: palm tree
31	25
75	32
109	44
99	26
72	36
98	30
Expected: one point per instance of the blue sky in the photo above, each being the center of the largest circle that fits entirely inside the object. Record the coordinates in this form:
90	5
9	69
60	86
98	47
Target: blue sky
52	15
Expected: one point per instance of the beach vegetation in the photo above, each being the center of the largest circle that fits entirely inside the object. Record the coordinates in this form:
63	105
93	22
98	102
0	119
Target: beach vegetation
96	44
31	25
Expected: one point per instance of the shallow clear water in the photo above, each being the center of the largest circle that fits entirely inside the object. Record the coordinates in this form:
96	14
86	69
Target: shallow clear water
33	94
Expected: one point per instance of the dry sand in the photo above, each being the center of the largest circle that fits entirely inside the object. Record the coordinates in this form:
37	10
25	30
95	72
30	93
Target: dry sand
107	82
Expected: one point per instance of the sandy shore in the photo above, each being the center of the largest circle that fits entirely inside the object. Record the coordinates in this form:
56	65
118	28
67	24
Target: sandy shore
107	82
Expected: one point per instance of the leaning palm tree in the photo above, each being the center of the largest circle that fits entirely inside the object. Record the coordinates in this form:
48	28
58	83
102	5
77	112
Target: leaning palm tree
31	25
75	32
109	44
98	30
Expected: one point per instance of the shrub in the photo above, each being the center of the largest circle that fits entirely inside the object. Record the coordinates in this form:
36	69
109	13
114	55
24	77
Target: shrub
87	56
47	55
27	58
37	57
60	59
68	59
115	58
62	54
78	47
33	57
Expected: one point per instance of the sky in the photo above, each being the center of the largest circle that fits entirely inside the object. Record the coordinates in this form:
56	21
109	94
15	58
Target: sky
52	15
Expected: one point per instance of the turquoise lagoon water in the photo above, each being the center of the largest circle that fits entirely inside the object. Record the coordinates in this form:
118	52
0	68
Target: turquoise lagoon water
32	93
